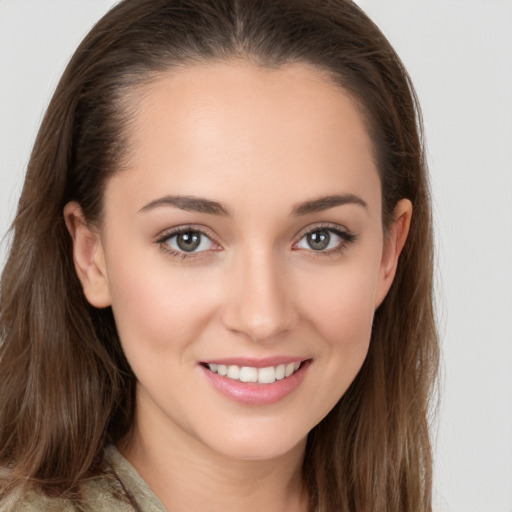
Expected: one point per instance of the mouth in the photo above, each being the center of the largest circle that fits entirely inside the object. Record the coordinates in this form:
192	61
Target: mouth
258	383
251	374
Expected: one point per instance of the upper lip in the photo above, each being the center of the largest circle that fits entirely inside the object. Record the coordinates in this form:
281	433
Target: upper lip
256	363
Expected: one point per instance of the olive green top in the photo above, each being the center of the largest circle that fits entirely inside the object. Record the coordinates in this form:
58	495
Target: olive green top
119	489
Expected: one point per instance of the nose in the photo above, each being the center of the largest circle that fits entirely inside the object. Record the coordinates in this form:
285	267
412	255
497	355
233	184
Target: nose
260	299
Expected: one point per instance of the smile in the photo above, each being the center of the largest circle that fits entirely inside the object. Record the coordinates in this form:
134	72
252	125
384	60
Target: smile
263	383
248	374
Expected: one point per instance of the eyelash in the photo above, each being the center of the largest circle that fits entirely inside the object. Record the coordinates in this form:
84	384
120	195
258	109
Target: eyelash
163	242
345	236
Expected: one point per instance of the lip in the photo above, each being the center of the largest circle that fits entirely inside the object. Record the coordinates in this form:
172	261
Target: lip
253	393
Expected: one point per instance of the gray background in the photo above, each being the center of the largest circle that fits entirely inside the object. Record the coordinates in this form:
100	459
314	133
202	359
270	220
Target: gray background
459	54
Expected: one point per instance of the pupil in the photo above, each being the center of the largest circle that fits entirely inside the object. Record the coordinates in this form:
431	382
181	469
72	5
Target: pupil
188	241
319	240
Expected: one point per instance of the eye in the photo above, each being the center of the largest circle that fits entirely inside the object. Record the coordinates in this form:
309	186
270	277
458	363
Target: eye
324	240
188	241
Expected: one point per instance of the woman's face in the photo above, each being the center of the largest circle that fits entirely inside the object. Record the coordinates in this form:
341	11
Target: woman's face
244	237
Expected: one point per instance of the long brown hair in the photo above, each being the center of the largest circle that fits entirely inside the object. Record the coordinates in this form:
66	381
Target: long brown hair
66	389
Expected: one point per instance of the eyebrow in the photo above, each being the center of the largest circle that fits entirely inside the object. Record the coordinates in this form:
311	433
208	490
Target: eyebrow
324	203
188	203
203	205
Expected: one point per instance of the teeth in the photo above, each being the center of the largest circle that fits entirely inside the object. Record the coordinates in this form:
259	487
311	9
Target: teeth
261	375
233	372
267	375
248	374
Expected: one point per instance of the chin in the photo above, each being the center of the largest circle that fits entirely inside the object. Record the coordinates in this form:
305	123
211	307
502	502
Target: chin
258	444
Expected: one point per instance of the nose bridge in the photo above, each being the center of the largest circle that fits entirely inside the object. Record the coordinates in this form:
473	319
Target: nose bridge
260	300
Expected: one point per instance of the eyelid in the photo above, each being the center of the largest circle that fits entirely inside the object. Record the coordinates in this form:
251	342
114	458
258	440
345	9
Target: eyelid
181	228
328	226
344	233
165	235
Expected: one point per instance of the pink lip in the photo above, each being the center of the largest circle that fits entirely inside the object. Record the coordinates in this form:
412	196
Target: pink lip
253	393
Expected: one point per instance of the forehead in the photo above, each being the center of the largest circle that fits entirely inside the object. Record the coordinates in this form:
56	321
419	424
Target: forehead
199	128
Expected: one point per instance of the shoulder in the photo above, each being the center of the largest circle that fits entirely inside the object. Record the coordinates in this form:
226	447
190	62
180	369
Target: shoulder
101	494
118	488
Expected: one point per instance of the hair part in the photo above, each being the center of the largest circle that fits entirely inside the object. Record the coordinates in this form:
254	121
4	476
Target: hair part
66	388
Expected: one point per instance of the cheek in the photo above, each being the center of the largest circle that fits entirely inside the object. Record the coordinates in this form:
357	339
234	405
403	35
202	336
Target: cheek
340	314
342	305
157	309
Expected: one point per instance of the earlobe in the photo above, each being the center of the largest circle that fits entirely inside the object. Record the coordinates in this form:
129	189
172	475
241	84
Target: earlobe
393	244
88	256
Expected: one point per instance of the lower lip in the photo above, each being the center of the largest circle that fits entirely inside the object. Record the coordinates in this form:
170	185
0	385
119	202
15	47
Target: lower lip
257	394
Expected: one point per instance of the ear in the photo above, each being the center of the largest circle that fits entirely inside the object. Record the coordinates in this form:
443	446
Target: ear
394	242
88	256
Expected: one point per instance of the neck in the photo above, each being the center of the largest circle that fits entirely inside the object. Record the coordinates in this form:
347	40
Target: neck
187	475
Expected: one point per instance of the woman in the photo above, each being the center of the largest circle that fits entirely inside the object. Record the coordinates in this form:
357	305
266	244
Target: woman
219	288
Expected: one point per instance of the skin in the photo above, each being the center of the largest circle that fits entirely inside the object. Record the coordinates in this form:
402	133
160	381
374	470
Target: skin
259	142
